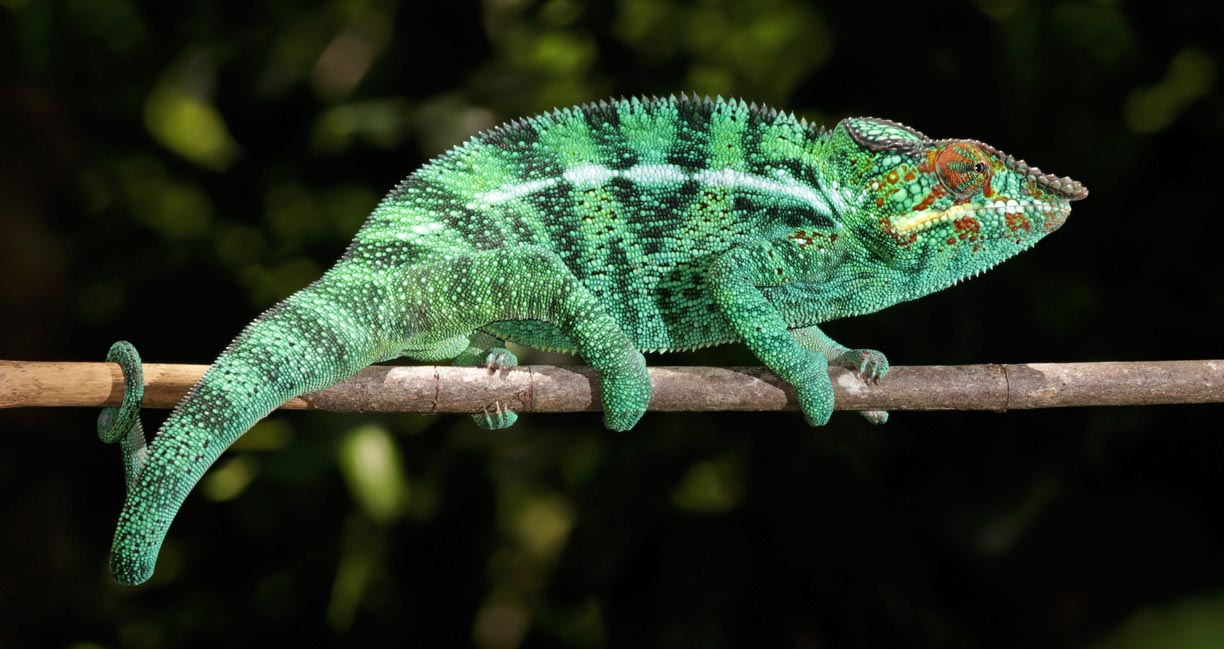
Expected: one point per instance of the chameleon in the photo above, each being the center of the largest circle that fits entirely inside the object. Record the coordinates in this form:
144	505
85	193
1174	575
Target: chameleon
611	229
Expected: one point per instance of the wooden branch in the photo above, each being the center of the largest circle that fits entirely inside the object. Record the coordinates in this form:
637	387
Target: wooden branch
543	388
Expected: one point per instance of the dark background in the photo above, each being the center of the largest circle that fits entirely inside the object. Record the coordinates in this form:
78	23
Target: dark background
168	170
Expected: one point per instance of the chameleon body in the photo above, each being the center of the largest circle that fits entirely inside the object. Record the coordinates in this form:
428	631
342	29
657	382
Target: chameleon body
607	230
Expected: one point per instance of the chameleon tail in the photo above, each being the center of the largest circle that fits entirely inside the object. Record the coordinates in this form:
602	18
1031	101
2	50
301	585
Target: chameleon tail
307	342
122	424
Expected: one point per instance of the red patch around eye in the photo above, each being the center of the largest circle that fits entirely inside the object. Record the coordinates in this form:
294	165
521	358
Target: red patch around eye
957	165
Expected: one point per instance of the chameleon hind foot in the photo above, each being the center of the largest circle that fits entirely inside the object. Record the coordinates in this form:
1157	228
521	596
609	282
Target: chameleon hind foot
486	351
495	360
496	418
489	352
499	358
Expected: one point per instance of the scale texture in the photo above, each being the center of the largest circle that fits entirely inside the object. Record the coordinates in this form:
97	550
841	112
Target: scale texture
607	230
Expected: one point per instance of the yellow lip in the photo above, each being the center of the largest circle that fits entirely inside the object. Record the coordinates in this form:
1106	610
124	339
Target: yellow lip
925	219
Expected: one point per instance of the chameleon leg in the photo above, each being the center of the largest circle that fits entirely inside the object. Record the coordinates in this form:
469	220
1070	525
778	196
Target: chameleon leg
734	281
490	352
528	283
444	350
122	424
869	363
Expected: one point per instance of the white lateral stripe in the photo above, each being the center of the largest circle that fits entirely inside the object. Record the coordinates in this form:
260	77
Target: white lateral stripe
648	174
588	175
785	185
511	192
426	228
658	174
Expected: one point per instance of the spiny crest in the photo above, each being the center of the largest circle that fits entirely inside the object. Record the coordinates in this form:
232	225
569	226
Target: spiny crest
685	103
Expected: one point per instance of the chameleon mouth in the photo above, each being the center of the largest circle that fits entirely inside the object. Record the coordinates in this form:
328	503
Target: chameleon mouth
1001	213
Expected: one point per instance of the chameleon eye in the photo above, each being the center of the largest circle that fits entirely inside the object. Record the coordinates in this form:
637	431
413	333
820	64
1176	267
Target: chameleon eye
962	168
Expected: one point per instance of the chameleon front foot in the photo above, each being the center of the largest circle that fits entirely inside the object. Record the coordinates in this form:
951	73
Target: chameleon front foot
871	366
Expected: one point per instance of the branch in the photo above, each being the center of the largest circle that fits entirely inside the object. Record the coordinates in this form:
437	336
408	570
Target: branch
544	388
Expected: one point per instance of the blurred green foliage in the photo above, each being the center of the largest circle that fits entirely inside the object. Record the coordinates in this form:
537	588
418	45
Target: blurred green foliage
167	170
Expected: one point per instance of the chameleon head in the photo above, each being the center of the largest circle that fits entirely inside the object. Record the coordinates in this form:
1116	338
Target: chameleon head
946	210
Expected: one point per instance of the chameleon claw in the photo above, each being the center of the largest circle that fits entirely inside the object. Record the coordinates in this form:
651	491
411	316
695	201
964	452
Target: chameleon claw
501	417
870	364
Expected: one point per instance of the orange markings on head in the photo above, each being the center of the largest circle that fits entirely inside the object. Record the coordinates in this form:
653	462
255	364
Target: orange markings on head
937	192
1017	221
967	228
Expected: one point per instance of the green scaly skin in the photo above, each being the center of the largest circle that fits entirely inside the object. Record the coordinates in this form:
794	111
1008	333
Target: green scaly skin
608	230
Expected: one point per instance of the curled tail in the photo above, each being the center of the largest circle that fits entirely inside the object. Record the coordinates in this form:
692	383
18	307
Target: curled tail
122	424
308	342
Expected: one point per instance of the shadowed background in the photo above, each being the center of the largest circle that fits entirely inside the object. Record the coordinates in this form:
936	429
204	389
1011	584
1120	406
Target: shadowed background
169	170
